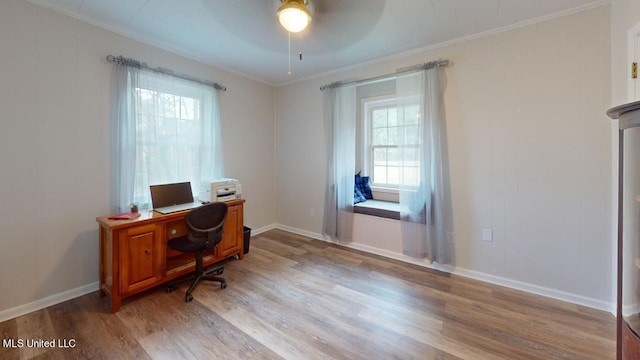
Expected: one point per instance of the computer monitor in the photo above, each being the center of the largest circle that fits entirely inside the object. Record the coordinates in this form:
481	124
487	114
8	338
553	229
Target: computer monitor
171	194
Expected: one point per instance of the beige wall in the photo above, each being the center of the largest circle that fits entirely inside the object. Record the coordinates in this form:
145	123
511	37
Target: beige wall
529	147
54	95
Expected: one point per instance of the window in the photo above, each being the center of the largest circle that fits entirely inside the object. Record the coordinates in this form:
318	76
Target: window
392	134
172	131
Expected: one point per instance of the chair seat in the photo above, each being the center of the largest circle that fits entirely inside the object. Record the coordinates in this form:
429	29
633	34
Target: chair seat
183	244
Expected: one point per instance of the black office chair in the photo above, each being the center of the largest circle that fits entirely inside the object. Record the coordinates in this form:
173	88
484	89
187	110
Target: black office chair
205	225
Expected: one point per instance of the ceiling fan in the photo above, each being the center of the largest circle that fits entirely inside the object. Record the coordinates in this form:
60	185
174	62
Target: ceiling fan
332	25
294	15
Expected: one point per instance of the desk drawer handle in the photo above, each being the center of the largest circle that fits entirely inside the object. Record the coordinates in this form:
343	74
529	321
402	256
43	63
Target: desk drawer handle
147	252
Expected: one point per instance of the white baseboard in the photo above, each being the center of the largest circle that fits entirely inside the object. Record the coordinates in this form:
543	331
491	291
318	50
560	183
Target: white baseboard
510	283
536	289
260	230
47	301
472	274
302	232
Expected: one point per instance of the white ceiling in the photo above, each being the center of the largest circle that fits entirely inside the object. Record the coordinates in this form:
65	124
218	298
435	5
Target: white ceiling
243	36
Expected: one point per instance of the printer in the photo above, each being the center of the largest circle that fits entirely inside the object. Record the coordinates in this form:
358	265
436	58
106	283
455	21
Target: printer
224	189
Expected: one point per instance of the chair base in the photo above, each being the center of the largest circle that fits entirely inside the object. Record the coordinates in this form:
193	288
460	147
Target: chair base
197	278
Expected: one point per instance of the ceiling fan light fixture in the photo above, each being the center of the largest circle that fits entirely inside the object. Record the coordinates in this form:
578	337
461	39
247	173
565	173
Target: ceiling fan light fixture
293	15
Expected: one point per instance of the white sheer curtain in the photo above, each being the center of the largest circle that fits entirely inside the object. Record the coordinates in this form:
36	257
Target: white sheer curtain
426	207
122	136
340	132
164	129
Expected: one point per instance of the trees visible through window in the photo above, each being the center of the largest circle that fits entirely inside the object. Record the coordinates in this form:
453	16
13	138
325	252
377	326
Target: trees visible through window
164	128
174	125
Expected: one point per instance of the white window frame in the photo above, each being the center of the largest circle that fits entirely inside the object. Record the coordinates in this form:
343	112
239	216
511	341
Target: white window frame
179	92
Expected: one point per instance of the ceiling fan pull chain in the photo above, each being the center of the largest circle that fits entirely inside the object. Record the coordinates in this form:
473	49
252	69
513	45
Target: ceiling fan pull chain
300	46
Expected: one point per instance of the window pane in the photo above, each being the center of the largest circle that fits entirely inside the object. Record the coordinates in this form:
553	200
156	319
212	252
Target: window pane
410	155
379	165
187	108
380	174
411	134
168	105
379	118
168	135
393	175
411	115
379	156
380	136
411	176
392	116
392	137
388	127
392	156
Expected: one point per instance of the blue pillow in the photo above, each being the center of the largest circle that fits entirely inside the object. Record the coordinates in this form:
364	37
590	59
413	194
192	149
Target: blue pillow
358	197
366	189
362	183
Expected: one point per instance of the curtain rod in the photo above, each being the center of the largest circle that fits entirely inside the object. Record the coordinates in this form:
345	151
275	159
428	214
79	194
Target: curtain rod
120	60
418	67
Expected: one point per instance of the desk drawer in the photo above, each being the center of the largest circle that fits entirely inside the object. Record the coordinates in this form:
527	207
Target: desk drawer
175	229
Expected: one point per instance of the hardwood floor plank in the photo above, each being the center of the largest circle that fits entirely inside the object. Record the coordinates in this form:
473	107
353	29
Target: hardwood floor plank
165	345
98	334
313	318
268	333
486	343
33	326
308	268
421	327
281	248
573	315
9	332
542	342
293	297
294	313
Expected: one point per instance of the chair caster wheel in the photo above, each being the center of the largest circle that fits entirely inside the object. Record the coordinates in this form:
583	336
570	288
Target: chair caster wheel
169	289
223	285
219	272
188	298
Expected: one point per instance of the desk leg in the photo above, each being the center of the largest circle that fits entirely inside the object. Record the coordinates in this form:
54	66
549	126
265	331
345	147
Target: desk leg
102	275
115	304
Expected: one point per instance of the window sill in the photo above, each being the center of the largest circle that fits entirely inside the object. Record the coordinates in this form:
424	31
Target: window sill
388	190
385	194
379	208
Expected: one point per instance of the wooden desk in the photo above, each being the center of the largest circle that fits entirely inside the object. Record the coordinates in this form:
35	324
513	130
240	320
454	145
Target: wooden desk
134	255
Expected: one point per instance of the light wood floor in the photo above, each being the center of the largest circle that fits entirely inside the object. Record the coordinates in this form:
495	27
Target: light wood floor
297	298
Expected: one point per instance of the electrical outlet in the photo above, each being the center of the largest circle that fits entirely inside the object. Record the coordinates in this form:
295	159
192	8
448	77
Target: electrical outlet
487	235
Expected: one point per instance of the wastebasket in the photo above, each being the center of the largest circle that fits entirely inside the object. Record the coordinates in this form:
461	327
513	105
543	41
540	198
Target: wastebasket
247	238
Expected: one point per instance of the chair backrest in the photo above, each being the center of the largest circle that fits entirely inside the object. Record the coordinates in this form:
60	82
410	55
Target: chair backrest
206	223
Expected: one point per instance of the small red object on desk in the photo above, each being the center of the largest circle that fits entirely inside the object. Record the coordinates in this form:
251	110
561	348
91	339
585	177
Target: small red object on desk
124	216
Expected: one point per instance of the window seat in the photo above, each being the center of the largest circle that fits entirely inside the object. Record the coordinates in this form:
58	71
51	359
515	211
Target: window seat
380	208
